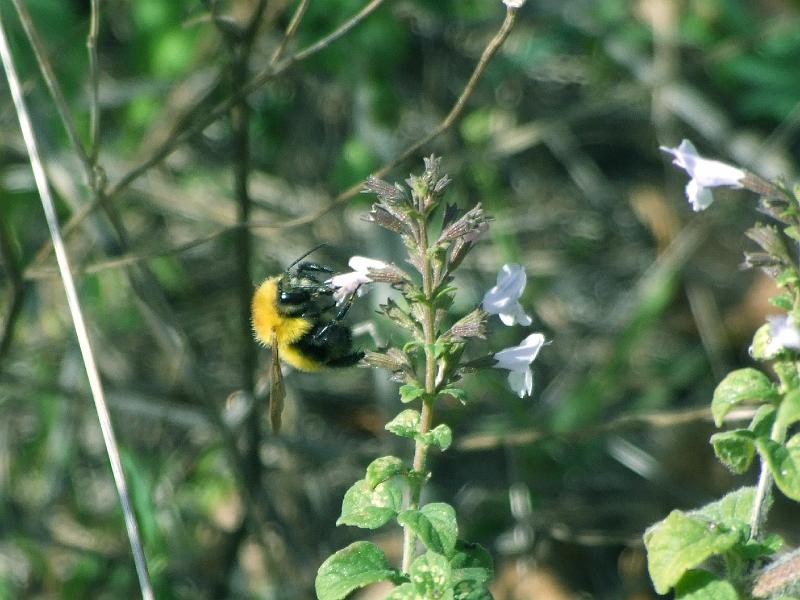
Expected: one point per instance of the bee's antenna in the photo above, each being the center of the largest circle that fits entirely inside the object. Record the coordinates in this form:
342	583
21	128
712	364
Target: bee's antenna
314	249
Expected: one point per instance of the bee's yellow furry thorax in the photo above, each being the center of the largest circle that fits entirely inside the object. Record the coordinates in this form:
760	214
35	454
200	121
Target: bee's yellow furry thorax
269	321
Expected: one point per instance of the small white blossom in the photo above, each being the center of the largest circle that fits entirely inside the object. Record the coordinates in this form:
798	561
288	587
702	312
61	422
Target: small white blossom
353	282
514	3
783	333
705	173
518	359
503	299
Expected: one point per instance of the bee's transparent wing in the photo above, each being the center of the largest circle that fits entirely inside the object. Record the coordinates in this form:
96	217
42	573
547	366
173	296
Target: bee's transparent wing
277	392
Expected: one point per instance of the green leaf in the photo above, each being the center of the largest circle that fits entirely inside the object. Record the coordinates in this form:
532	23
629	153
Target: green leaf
702	585
784	463
735	449
761	347
733	509
431	576
370	508
469	590
440	436
406	591
769	545
410	392
762	422
383	468
788	276
789	410
681	542
468	555
351	568
782	301
743	385
406	424
435	524
456	393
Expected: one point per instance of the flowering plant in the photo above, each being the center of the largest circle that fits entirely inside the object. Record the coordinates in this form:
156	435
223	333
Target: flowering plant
436	563
733	528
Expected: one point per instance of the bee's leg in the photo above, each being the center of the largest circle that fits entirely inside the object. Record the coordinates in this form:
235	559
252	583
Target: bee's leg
348	360
322	331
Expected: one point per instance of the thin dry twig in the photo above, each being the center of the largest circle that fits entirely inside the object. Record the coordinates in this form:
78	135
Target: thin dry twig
452	116
76	313
197	120
291	29
656	420
486	56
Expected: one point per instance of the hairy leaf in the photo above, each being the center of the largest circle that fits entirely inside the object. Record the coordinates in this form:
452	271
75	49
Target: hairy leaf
353	567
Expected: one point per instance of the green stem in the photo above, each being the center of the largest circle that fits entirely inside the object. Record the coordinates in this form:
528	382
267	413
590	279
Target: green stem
426	415
764	488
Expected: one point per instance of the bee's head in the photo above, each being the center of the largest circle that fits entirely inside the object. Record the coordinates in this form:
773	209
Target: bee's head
302	285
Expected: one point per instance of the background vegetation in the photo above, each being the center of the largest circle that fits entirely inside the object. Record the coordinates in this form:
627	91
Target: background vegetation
184	196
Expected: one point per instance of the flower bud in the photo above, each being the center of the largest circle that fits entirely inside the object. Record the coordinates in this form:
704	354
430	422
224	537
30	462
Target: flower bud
471	325
387	192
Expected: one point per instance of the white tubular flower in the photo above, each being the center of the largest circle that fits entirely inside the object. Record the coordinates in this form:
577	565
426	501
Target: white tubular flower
705	173
353	282
517	360
503	299
783	333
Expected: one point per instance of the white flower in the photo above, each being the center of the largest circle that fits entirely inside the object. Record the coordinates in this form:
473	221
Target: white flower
517	360
503	299
351	283
783	333
705	174
514	3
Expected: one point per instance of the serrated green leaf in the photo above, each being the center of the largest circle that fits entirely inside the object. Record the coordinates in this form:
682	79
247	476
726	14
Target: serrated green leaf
431	576
762	422
406	424
440	436
789	410
370	508
743	385
406	591
435	524
735	449
681	542
351	568
702	585
383	468
410	392
732	510
784	463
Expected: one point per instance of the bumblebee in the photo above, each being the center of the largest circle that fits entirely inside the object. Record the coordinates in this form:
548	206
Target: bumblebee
294	315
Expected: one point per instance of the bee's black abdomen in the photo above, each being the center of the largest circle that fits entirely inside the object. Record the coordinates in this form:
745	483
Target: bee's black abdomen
331	344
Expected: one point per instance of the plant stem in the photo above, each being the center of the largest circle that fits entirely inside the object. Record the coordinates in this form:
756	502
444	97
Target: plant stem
764	488
426	415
